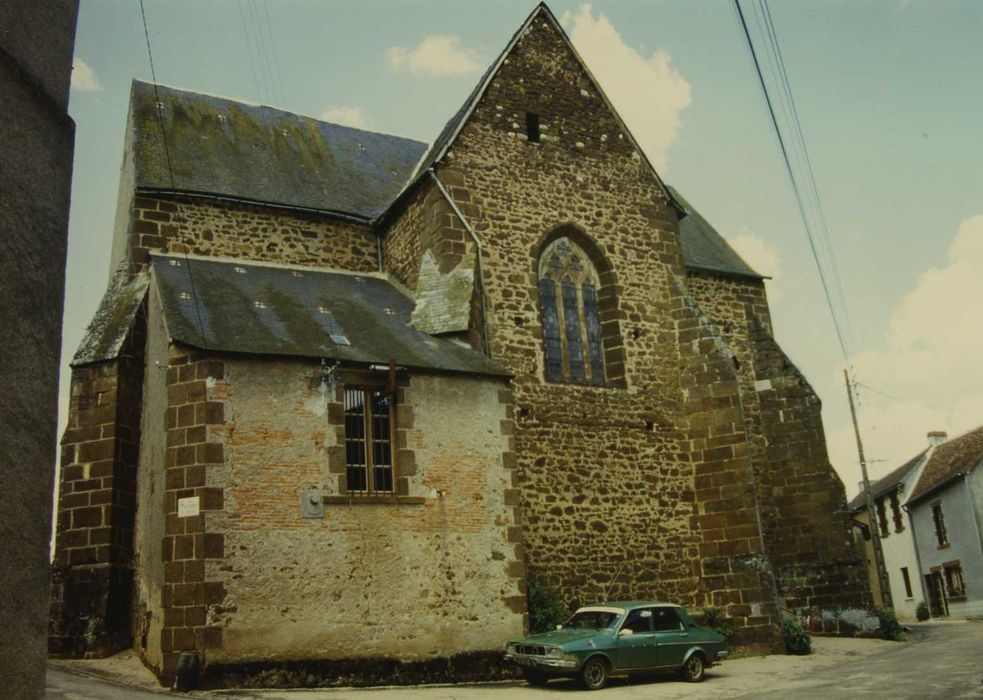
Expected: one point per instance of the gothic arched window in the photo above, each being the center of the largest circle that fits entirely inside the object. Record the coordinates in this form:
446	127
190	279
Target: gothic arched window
568	291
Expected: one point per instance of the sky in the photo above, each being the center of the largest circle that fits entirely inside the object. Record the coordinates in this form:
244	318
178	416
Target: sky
889	95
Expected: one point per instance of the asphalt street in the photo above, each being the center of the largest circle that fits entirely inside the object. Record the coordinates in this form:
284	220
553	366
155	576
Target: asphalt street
940	661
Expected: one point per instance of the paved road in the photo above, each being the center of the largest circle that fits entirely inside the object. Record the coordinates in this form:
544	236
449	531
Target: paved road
941	661
65	685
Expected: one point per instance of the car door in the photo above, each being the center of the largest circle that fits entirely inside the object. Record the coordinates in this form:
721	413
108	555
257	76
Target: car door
671	637
635	641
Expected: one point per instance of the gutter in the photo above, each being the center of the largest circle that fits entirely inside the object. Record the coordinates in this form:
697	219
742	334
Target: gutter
481	266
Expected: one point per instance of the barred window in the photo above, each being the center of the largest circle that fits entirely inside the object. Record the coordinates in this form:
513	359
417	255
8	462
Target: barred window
368	440
568	289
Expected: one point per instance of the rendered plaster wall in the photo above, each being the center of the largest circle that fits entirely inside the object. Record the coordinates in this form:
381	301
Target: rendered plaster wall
964	543
148	563
899	551
251	232
36	142
607	474
431	574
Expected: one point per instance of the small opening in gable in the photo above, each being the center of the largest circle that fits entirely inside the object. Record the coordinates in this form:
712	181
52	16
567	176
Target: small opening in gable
532	127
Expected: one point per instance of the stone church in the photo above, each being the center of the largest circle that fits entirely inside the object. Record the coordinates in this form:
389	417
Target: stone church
347	392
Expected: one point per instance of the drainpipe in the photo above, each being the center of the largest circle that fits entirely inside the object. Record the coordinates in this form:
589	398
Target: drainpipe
481	275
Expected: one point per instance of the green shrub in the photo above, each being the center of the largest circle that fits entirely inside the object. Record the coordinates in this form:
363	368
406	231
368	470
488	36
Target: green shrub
797	640
713	620
545	609
890	627
921	612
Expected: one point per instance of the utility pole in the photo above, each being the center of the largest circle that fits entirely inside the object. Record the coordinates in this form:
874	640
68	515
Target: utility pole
875	534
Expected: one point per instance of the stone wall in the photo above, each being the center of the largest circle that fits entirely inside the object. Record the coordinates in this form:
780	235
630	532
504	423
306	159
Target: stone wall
805	522
429	574
206	227
605	473
92	574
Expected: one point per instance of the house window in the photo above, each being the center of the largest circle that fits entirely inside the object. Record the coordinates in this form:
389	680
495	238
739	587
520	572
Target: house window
896	513
568	292
939	520
532	127
882	518
907	582
954	580
368	440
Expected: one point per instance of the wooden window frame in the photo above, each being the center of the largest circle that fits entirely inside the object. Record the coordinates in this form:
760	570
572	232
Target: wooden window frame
938	520
896	512
954	570
882	524
906	578
368	439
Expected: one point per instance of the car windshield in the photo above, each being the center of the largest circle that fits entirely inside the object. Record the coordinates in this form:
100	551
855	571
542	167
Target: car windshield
592	619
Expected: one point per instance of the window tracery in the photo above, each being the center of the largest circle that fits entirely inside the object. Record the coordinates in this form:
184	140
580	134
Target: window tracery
568	291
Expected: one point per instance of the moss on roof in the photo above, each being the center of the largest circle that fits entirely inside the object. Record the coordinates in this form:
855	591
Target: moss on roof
223	147
108	329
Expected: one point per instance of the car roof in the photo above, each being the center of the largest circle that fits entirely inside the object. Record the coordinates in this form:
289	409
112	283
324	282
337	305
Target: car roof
631	604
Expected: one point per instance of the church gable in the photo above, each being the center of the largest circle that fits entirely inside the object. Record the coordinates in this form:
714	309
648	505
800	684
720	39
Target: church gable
540	91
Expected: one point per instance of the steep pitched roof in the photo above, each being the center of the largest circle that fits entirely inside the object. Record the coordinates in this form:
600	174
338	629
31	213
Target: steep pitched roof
111	324
449	133
704	248
233	306
222	147
886	483
949	461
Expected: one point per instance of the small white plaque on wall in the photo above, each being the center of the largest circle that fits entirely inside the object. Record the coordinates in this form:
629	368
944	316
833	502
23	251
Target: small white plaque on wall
762	385
187	507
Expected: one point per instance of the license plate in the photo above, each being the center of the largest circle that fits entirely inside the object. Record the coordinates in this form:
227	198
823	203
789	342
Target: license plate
524	662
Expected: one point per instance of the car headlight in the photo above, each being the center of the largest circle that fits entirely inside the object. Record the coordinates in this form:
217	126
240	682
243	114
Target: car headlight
510	648
554	652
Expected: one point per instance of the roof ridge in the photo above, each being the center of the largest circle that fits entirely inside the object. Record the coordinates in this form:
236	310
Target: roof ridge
281	110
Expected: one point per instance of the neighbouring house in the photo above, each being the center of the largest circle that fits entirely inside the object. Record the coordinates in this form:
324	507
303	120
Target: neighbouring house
946	509
346	392
890	494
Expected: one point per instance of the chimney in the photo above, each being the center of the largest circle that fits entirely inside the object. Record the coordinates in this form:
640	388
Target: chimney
936	437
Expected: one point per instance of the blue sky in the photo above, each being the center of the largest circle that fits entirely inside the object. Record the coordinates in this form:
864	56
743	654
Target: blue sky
889	95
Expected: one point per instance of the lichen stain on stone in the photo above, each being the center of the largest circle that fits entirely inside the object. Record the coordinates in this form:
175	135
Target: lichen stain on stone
318	403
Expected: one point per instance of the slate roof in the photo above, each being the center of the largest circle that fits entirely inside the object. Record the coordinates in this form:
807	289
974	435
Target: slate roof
108	329
222	147
704	248
886	483
231	306
949	461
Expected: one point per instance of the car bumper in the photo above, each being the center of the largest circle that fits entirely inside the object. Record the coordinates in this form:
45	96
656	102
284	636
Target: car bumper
720	656
543	663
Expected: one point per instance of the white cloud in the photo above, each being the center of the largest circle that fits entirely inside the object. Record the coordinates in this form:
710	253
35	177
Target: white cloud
345	115
437	55
647	92
762	257
930	365
84	78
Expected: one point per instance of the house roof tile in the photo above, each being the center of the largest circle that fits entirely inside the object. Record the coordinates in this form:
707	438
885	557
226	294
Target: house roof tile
949	461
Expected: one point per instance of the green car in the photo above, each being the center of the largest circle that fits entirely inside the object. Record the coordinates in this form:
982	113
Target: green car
619	639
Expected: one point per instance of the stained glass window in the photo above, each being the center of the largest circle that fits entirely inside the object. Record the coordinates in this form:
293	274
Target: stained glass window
572	339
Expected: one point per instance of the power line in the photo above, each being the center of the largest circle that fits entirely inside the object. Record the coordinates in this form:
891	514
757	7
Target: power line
160	105
795	185
167	153
249	53
810	174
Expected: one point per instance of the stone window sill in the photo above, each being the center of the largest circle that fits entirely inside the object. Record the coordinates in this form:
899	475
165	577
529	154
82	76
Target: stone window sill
367	500
944	546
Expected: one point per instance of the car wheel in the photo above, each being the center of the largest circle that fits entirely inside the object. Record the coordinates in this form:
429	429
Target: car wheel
694	670
536	678
594	674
